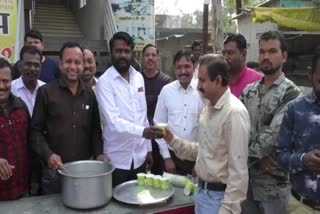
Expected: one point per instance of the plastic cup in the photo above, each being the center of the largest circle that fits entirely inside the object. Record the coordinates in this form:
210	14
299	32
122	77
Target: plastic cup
163	127
164	183
141	179
149	180
189	189
156	181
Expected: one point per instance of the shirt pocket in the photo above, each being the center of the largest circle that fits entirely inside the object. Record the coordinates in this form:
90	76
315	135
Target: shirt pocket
140	101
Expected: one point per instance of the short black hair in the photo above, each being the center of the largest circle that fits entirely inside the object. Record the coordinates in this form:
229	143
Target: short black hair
216	65
238	39
150	45
31	50
183	53
315	61
69	45
5	64
33	34
121	36
195	43
275	35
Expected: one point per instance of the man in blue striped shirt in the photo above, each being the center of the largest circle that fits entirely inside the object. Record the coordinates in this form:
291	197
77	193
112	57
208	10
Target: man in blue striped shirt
298	147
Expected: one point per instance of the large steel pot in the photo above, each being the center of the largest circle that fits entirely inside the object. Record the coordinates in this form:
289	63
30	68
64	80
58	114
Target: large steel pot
89	184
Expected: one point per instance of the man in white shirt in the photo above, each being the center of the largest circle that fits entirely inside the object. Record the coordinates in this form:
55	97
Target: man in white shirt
179	105
121	97
26	86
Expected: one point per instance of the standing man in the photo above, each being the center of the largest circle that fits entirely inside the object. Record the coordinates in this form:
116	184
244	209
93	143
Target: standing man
90	69
154	80
65	124
26	86
49	68
266	101
122	102
235	52
222	152
14	154
179	105
298	147
196	53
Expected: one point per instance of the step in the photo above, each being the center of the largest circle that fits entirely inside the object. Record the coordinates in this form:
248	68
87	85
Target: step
54	22
51	13
63	31
49	16
52	6
55	27
64	35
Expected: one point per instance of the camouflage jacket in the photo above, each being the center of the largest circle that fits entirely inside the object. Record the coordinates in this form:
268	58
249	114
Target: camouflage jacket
266	108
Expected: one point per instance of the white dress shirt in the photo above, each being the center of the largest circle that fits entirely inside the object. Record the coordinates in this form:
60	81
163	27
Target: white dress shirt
20	90
123	111
180	109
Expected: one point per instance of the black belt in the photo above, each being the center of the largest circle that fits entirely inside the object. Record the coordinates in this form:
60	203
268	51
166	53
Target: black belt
215	186
310	203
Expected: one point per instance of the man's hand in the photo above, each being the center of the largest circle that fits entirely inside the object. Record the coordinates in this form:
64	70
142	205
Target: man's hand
5	169
103	157
149	160
152	132
169	165
311	160
168	137
54	161
267	164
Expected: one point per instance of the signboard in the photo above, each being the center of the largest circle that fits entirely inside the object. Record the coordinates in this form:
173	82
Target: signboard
8	27
135	17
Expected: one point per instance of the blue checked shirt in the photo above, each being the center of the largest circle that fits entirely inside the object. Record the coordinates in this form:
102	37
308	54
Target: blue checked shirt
299	134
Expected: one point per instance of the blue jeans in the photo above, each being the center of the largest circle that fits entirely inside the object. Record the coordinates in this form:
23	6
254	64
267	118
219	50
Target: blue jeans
208	201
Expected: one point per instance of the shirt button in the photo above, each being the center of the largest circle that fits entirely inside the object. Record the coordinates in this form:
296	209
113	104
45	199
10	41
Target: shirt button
185	104
184	129
185	116
74	126
74	113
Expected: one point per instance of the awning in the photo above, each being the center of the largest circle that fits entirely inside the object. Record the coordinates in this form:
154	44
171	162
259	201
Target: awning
303	19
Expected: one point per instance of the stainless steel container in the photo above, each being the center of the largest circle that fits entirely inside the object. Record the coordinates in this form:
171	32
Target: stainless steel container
88	186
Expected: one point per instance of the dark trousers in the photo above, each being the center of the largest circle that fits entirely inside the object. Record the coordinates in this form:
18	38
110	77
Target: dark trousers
158	166
120	176
183	167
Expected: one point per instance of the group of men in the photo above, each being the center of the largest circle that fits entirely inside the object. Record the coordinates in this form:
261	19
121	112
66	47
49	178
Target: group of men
240	131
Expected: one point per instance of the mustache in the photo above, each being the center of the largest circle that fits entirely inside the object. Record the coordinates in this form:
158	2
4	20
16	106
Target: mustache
265	61
181	75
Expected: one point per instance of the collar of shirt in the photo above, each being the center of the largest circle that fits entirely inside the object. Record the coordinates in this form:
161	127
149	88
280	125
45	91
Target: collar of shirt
115	74
278	81
20	84
81	87
192	85
222	100
13	103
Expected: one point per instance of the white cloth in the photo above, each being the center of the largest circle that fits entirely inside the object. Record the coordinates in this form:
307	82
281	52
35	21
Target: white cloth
95	83
123	111
180	109
20	90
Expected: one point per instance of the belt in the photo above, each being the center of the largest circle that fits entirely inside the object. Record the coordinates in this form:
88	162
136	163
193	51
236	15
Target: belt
310	203
215	186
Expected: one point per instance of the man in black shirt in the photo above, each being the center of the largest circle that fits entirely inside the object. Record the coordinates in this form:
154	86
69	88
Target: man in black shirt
154	80
65	125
